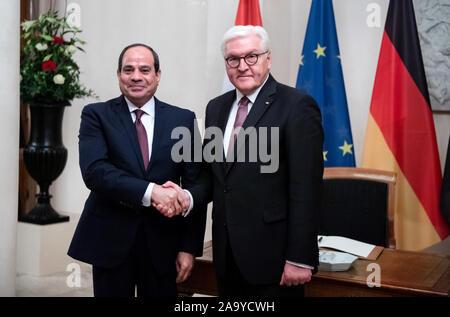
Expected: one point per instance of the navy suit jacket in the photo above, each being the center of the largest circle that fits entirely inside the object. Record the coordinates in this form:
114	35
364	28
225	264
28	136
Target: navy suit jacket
112	168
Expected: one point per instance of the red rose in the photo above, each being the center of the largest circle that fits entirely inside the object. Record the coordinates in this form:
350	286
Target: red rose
48	65
57	40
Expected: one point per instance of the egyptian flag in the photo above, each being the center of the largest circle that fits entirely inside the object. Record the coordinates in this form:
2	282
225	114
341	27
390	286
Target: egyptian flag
248	13
400	133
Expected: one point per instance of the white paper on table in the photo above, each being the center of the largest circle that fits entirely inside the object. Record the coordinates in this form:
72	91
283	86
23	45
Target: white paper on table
348	245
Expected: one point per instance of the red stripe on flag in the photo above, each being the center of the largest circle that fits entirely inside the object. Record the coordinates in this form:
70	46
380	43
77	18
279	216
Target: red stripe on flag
405	119
248	13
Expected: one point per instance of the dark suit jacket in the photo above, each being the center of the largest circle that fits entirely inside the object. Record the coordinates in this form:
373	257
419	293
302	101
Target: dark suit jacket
269	217
112	168
445	191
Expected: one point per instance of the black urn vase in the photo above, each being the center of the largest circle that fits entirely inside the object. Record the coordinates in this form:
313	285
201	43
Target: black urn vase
45	158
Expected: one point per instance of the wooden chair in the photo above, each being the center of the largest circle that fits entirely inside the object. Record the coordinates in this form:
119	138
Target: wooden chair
358	203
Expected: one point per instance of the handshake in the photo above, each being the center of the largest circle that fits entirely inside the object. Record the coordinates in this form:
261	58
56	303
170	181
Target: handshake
170	199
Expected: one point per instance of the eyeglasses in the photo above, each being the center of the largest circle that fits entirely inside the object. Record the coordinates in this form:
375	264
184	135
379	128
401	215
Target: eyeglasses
250	59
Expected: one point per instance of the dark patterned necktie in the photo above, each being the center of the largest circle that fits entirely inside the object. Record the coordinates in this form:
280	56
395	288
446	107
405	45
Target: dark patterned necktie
240	118
142	136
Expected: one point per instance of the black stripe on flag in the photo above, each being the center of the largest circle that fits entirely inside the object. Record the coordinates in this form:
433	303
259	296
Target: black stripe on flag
402	30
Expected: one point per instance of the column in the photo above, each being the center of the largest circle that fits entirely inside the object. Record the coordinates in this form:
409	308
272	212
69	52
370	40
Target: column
9	142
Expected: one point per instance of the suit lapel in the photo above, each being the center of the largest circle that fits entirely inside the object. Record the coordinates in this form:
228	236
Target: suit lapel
159	126
262	103
130	129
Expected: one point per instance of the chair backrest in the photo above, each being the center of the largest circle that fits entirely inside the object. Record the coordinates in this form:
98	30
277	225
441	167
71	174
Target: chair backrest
358	203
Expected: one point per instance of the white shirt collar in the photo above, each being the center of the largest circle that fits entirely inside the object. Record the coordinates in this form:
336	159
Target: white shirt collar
253	96
148	108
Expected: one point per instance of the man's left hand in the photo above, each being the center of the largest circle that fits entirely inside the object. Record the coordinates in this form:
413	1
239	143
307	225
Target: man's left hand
185	264
295	275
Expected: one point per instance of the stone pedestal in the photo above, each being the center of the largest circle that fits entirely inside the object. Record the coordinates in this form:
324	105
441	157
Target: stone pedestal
42	249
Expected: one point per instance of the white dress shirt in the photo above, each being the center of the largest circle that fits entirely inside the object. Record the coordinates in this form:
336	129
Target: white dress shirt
148	121
232	116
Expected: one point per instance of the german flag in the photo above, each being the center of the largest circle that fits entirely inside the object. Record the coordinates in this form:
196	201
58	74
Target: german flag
400	133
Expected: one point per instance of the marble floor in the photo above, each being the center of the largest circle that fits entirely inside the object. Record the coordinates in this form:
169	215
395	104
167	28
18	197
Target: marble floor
57	285
61	284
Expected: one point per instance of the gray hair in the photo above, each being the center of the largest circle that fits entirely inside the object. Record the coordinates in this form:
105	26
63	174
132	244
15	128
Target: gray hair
245	30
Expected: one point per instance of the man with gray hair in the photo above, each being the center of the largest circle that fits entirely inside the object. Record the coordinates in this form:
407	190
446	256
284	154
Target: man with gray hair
264	224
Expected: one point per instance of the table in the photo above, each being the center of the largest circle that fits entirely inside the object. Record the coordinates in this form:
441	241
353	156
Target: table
402	273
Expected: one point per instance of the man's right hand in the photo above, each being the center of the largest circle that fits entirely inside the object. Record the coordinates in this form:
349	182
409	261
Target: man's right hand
166	201
183	198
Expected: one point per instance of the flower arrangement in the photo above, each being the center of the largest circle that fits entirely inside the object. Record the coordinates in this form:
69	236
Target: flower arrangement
47	70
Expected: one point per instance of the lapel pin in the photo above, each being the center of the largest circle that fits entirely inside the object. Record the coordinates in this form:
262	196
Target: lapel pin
267	102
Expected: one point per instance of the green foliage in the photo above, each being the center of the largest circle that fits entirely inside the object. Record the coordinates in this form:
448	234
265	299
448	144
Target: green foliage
47	69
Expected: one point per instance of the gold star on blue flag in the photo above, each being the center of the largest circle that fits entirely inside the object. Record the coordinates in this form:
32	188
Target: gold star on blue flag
320	75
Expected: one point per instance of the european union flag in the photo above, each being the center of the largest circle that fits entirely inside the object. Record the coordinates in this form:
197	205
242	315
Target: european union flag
320	75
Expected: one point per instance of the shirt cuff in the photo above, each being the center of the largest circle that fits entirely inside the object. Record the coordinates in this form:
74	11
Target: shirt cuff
300	265
191	204
146	200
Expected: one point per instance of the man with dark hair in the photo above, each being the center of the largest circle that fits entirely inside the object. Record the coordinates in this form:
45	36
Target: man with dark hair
125	154
155	56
